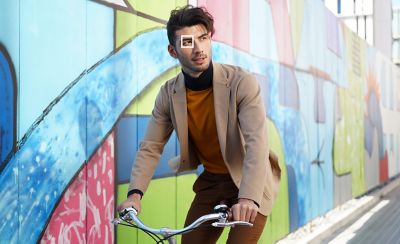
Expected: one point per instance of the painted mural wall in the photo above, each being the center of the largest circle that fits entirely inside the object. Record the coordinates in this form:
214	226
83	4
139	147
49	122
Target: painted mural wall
78	80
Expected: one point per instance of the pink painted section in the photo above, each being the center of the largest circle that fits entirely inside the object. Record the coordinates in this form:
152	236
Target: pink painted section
231	21
283	31
100	202
84	213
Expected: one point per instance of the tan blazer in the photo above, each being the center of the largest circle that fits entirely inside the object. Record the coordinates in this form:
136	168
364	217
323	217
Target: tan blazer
242	133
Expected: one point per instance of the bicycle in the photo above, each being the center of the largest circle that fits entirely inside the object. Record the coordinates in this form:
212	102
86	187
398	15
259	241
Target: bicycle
128	217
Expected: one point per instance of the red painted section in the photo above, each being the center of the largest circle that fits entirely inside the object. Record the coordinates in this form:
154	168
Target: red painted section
84	213
231	21
384	168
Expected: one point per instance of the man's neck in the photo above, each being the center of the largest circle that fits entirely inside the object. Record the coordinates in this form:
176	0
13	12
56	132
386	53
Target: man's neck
204	81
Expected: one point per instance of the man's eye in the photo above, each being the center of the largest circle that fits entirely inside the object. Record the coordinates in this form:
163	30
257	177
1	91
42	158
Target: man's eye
187	42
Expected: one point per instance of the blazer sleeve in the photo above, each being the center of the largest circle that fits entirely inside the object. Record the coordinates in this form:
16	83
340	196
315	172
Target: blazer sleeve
253	125
151	147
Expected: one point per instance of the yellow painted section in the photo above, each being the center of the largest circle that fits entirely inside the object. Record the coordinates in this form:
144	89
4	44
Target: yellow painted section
143	104
296	20
128	25
161	9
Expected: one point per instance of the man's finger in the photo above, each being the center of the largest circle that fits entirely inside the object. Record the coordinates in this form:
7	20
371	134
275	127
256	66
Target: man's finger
230	215
253	216
249	213
243	212
236	212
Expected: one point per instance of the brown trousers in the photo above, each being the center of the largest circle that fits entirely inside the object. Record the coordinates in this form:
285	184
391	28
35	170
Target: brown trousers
211	190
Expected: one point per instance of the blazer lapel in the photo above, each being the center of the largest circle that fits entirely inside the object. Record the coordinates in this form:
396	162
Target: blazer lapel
180	110
221	89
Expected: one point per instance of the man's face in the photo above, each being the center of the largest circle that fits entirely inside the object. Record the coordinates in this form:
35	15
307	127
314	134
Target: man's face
192	49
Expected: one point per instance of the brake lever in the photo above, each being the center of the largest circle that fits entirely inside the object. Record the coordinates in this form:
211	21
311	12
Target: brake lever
116	221
231	223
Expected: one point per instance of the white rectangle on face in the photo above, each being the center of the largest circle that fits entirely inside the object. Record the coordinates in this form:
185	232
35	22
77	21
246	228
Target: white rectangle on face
187	41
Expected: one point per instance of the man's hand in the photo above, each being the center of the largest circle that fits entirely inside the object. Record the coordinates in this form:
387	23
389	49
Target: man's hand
132	201
245	210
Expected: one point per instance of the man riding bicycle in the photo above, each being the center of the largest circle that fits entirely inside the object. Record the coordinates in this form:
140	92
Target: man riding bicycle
219	118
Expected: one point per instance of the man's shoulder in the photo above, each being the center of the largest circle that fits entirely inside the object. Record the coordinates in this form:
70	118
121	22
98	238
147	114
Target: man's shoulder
170	83
232	69
234	74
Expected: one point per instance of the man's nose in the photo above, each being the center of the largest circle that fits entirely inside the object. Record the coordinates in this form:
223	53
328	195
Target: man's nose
197	48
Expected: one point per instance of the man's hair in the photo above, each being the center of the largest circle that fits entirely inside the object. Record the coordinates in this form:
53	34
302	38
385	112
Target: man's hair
186	17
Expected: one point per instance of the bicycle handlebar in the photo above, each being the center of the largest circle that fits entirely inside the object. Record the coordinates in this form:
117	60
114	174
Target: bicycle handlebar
130	215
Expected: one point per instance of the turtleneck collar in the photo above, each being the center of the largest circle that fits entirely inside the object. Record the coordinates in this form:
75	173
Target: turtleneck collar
203	82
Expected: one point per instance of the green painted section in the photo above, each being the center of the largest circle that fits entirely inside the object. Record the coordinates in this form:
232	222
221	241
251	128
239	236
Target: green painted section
124	234
158	210
164	204
159	206
278	221
348	148
184	198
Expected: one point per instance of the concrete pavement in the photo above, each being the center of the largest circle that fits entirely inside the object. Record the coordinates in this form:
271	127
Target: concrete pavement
380	225
325	229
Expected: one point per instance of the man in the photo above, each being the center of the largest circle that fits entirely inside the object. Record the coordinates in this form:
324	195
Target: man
218	115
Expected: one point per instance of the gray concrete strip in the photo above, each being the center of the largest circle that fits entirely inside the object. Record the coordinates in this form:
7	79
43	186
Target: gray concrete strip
382	226
320	229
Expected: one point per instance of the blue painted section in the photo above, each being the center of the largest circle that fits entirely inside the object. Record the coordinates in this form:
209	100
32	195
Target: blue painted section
319	139
65	138
288	88
262	31
64	38
100	27
7	106
9	30
291	127
374	122
293	200
126	145
316	173
130	132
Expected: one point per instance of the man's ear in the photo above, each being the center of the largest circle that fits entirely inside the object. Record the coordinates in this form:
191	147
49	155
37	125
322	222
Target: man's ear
171	51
